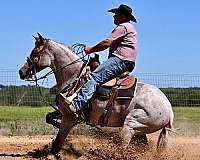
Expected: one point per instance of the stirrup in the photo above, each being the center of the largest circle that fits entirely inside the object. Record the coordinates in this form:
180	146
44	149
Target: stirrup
72	108
69	99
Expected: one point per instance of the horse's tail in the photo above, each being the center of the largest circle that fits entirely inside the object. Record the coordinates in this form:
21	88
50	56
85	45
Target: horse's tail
171	119
163	137
162	140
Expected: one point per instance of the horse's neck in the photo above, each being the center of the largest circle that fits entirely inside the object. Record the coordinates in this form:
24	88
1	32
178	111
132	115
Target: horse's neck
62	57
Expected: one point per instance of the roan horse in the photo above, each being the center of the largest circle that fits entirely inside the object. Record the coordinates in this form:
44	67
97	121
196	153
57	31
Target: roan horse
147	112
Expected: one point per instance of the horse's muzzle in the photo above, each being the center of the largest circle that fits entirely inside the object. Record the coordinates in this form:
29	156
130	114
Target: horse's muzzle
21	74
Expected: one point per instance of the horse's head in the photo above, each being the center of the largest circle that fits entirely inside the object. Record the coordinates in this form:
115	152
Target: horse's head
38	59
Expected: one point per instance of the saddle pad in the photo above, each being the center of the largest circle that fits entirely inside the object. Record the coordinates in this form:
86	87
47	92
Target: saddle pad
103	91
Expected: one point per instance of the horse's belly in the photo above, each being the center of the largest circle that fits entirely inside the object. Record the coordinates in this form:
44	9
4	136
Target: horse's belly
118	113
115	120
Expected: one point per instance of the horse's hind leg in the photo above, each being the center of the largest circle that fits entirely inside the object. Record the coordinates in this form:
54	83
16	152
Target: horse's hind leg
127	134
133	129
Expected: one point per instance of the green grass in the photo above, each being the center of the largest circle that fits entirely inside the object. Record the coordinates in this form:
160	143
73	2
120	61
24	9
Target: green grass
188	114
24	121
187	121
25	113
31	121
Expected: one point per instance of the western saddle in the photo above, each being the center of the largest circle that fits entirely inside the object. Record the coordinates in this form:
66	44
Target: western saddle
120	87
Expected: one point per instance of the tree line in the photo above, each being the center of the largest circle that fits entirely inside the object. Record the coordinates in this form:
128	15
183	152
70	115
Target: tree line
33	96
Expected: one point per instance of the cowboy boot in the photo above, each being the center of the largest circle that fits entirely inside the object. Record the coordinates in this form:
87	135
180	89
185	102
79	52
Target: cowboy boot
67	101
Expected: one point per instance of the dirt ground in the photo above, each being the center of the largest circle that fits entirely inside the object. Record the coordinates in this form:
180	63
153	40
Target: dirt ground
97	147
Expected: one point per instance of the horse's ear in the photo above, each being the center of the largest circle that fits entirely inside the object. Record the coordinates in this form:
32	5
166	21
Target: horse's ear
39	40
36	38
40	37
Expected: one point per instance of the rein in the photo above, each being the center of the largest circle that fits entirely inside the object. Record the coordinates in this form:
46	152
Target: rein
80	46
79	49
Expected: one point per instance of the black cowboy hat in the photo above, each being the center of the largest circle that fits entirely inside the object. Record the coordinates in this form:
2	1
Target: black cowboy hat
124	9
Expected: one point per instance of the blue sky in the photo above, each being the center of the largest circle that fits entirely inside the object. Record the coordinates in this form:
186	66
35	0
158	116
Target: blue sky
168	30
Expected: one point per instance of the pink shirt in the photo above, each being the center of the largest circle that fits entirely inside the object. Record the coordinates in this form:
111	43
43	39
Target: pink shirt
124	44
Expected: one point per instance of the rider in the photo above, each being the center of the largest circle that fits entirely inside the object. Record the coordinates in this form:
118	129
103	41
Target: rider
122	44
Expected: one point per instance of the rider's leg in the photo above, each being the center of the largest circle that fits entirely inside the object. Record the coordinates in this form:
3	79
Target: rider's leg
111	68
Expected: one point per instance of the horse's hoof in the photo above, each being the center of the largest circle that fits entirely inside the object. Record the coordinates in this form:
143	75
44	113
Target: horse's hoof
54	151
140	139
55	148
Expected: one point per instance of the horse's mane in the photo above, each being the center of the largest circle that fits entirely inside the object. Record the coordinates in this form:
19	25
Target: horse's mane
63	46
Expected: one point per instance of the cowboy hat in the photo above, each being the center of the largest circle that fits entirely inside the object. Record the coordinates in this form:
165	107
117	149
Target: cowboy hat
124	9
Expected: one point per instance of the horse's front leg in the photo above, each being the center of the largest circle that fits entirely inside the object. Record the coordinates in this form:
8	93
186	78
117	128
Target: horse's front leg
65	127
52	117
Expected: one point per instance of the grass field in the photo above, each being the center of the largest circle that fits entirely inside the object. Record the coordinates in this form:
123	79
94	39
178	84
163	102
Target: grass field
189	114
24	121
31	121
187	121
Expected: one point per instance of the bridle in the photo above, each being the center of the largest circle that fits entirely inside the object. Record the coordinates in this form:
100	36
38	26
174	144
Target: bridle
32	63
31	68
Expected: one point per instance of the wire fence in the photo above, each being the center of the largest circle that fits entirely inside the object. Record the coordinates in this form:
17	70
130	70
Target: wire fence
181	89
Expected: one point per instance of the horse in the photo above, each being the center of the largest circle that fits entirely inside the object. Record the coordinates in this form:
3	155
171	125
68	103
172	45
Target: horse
145	113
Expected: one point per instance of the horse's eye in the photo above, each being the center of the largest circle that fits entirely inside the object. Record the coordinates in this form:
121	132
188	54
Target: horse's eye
35	59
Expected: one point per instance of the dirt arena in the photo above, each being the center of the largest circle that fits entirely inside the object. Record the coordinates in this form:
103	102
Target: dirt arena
98	147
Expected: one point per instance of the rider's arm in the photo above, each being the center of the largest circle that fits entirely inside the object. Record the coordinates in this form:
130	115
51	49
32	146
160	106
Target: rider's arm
117	34
99	47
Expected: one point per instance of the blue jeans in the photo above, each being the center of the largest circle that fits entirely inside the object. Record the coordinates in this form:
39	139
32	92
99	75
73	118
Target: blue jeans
111	68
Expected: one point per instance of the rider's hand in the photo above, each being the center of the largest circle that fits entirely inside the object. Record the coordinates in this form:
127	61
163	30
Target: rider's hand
87	50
